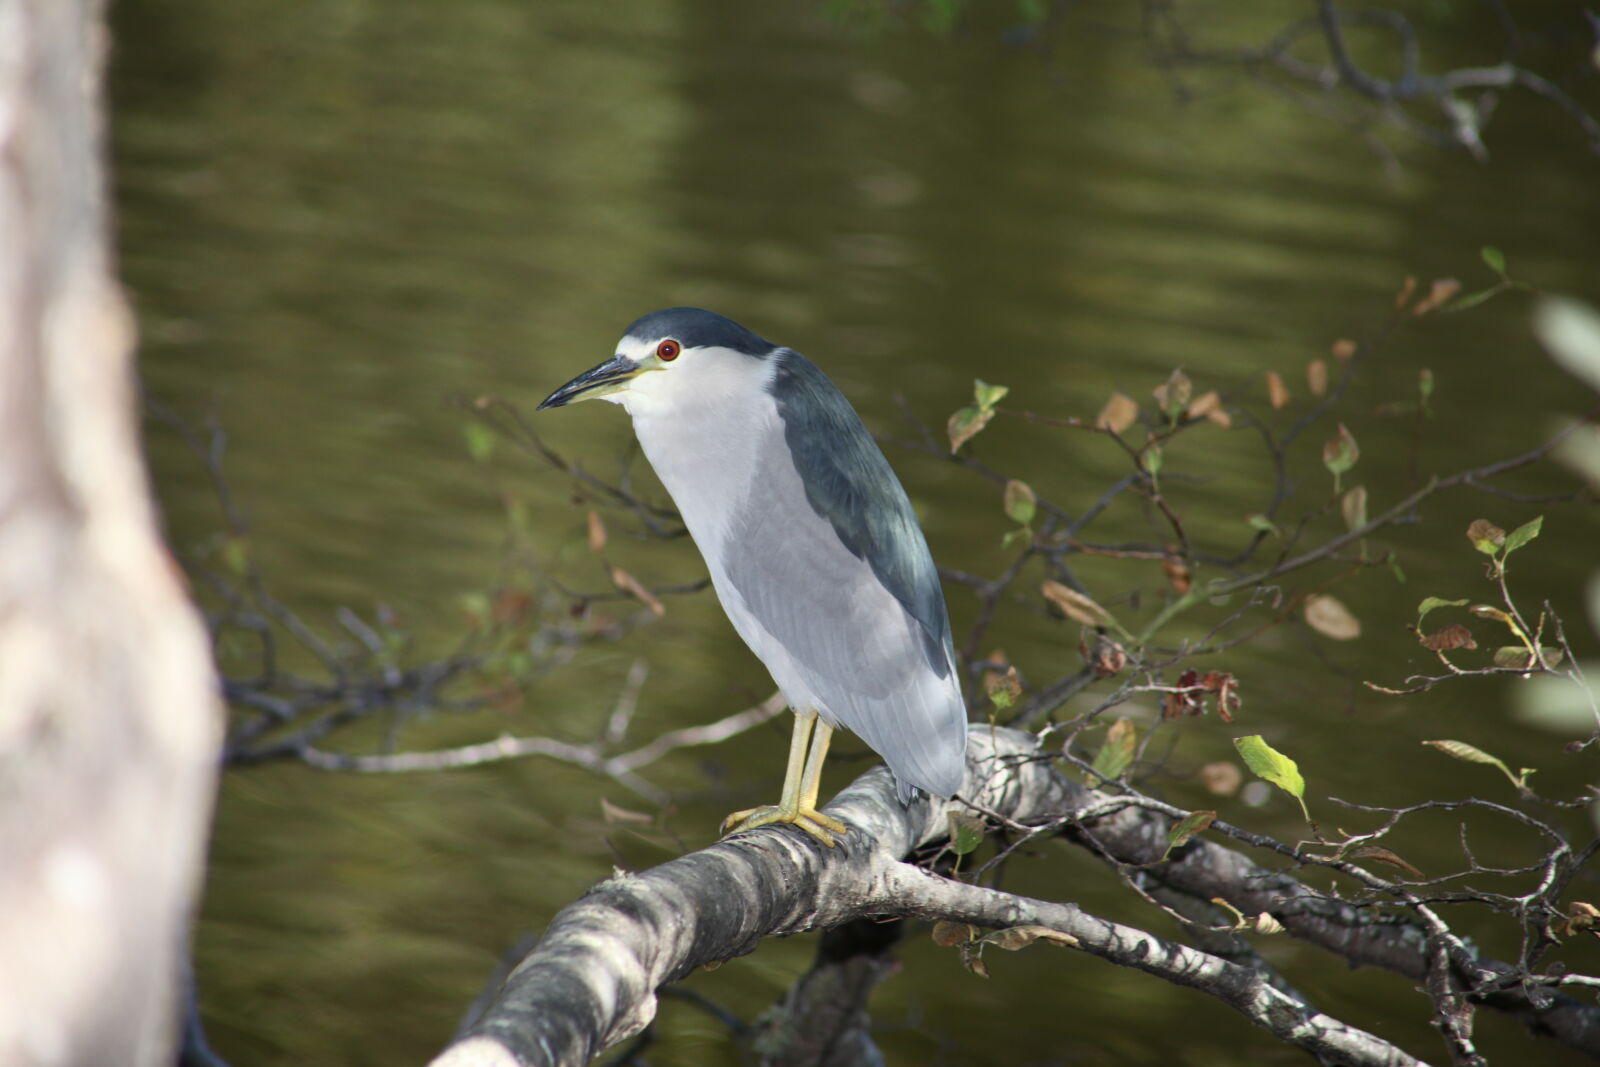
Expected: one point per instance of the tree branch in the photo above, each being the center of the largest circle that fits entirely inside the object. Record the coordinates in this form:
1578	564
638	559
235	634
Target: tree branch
592	981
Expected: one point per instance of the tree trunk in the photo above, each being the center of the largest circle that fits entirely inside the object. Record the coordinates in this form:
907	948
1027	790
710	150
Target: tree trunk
109	720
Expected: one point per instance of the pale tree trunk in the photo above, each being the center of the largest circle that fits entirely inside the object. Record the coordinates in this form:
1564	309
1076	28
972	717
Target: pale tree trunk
109	719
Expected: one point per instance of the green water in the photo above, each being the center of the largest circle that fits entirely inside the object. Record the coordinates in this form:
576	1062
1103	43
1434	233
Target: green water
334	217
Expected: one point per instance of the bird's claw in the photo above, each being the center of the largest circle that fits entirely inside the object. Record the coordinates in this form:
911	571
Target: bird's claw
820	826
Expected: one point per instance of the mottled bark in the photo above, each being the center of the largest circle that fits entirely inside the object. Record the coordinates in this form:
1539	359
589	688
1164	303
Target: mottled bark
591	981
108	717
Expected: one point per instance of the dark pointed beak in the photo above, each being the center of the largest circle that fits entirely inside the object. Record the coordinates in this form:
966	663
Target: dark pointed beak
608	378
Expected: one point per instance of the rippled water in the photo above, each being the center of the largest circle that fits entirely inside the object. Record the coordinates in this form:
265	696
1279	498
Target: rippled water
336	216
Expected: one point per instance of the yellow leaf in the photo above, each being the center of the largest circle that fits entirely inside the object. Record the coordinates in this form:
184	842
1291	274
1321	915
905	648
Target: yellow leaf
1118	414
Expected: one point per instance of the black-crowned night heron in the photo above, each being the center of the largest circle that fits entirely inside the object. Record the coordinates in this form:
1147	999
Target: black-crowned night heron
812	545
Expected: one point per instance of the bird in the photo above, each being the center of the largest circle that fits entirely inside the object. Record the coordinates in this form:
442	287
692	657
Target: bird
813	547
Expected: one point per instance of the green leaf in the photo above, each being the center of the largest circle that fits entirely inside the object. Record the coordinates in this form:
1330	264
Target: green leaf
1116	755
236	556
1260	522
1519	658
1268	763
1173	394
966	833
1472	754
1021	503
1486	537
1339	452
480	441
1571	332
1152	458
1033	11
1495	258
986	396
1472	300
1431	602
1425	388
1354	508
1523	534
1181	831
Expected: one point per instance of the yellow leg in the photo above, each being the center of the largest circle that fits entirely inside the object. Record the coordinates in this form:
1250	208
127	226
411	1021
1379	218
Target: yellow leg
802	781
811	779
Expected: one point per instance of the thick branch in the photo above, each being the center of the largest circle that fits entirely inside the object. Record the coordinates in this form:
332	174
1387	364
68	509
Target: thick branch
591	982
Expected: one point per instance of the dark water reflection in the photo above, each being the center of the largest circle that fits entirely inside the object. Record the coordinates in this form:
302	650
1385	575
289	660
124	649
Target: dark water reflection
335	216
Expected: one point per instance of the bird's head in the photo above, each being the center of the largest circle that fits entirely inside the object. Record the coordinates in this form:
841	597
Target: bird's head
673	360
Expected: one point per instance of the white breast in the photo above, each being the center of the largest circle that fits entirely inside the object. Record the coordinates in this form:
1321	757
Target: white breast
702	428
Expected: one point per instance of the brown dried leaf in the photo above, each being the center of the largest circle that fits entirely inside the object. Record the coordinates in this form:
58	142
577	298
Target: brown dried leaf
1222	778
1209	406
1455	636
1344	348
1177	575
1118	414
1073	604
1384	855
1326	615
1277	392
1226	688
1439	293
633	587
1266	924
947	934
1187	698
1107	657
1317	377
597	533
1581	916
1407	287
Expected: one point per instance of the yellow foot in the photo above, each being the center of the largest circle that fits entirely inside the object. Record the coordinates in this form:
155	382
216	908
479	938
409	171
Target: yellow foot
810	820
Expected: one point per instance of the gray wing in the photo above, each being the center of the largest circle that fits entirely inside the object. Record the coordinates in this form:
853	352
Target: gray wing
831	583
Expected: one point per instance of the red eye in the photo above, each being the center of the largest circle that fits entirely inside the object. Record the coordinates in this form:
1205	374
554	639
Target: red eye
667	351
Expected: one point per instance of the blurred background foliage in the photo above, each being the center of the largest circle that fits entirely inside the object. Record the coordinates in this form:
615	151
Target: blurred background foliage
335	217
